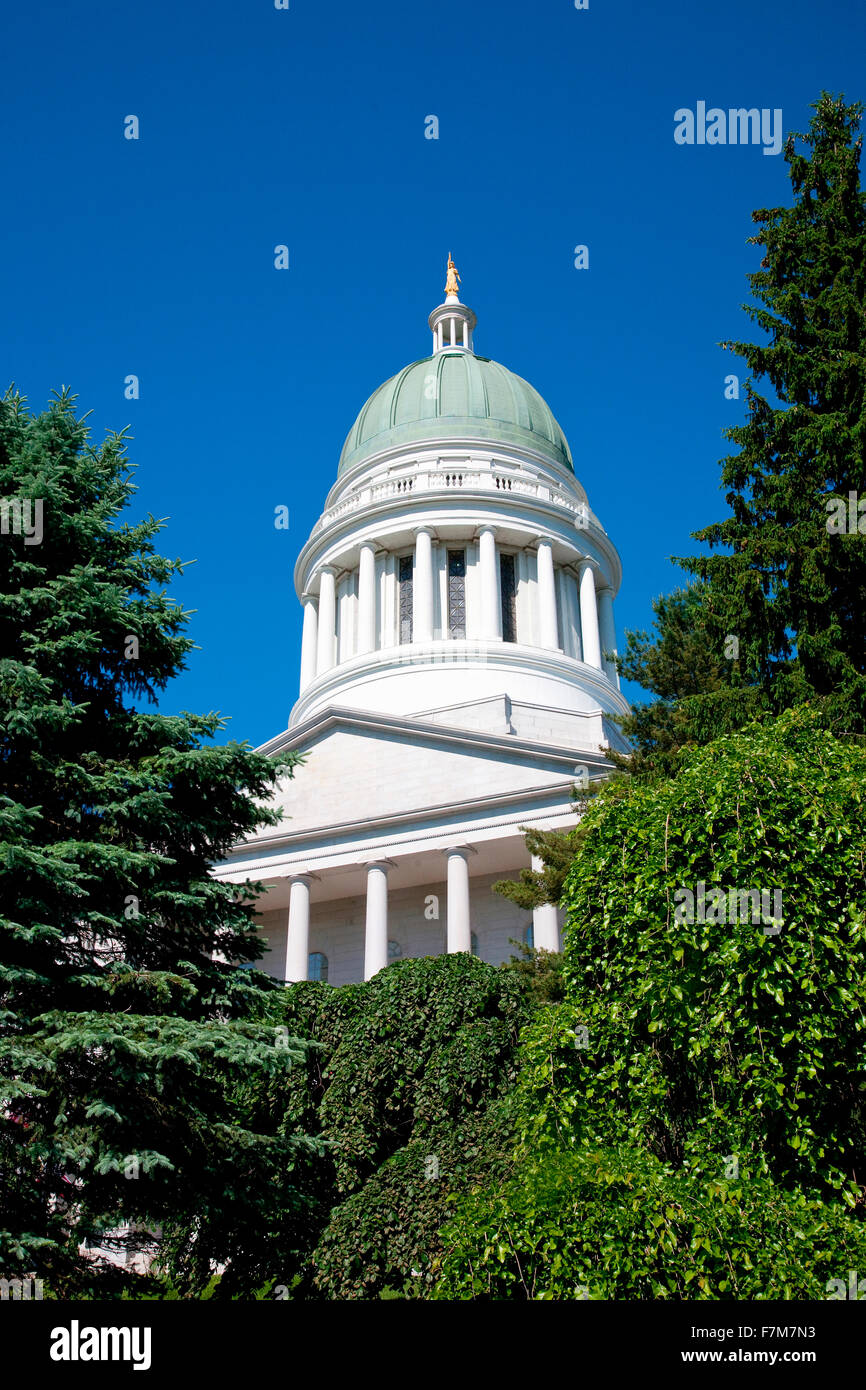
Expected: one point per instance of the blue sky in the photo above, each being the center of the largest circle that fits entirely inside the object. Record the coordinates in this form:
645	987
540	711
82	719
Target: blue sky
306	127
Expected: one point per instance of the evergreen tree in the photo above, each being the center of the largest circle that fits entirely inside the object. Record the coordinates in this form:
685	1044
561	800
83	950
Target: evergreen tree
792	588
691	666
778	618
123	1016
556	850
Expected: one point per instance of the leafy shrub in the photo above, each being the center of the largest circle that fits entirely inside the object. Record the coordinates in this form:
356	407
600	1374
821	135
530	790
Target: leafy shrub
415	1061
616	1223
691	1120
719	1036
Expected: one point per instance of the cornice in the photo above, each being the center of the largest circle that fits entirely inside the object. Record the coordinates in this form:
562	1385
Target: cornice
542	518
346	716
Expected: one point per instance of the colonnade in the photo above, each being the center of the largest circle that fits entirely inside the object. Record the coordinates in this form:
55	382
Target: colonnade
458	919
319	642
458	333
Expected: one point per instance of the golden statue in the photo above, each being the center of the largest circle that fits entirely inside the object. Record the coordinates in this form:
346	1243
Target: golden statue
452	279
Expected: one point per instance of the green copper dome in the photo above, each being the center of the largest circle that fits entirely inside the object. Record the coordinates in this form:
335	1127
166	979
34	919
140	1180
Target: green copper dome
455	395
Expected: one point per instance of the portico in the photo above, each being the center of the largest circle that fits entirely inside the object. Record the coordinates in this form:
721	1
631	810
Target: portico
443	811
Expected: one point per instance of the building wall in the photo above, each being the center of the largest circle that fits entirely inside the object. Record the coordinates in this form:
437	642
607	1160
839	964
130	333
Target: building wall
499	714
558	727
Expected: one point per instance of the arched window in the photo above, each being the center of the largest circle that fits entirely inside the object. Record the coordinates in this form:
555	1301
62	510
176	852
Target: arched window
395	950
529	936
474	941
318	967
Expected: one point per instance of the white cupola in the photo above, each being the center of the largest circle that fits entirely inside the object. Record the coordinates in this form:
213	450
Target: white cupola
451	323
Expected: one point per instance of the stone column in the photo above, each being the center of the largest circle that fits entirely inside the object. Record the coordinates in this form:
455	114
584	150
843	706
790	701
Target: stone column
376	930
367	599
547	624
491	598
590	640
608	632
309	642
327	637
459	933
298	938
422	587
545	921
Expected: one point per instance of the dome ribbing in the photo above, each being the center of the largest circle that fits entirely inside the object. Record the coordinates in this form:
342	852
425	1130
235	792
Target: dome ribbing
455	395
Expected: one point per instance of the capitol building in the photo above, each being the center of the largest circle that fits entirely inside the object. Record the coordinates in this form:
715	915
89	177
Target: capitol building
456	674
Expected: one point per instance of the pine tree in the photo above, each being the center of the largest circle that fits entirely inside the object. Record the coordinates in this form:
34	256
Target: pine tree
124	1018
792	588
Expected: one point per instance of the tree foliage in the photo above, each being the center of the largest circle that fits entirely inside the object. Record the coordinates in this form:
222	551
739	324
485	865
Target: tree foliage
122	1015
720	1062
785	579
407	1089
700	692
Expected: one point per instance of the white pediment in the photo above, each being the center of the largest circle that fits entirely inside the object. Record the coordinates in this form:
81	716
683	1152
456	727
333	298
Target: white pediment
360	767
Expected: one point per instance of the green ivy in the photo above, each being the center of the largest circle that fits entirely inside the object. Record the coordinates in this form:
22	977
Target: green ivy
405	1084
718	1036
615	1223
690	1121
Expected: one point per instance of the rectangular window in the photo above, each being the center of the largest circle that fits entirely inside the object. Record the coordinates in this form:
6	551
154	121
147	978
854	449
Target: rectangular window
406	598
508	592
457	593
